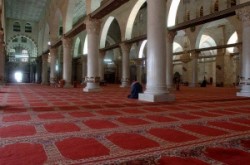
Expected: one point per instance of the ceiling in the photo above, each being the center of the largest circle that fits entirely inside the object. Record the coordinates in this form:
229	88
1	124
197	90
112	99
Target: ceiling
28	10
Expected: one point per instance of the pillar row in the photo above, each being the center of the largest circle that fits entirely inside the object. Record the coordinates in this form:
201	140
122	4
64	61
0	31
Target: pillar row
194	58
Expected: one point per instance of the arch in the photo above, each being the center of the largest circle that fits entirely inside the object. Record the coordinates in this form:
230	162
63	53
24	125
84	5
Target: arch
105	31
57	30
233	39
207	41
172	13
131	19
46	37
141	51
16	27
68	22
85	46
216	5
28	28
201	11
77	47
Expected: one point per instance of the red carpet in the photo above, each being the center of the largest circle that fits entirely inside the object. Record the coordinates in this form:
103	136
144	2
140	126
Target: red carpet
180	161
22	154
50	126
79	148
229	156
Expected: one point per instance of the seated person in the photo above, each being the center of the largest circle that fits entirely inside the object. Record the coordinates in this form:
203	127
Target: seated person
136	88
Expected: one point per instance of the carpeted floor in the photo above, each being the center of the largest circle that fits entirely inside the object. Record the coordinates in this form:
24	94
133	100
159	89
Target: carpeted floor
56	126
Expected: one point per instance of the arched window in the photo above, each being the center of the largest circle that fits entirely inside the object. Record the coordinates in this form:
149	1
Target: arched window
233	2
201	11
16	27
188	15
216	5
28	28
60	30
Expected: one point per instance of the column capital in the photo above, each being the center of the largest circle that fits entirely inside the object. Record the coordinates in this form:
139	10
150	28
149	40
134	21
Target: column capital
45	57
244	15
125	46
67	42
171	35
93	26
102	53
52	51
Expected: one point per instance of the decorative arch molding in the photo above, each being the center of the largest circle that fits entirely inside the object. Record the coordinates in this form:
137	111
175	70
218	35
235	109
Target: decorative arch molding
57	19
68	21
21	35
105	30
76	47
131	19
46	37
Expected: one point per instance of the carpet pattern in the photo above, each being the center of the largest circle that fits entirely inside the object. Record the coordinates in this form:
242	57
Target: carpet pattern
45	125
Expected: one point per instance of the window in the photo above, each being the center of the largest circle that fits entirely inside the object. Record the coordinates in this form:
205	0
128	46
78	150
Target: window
15	40
187	15
16	27
28	28
60	30
233	2
216	5
201	11
23	39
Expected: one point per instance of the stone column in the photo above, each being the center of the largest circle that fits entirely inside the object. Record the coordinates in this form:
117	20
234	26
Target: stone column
92	79
2	58
170	40
45	69
101	65
139	70
194	73
67	62
53	52
156	88
84	67
125	48
244	15
220	68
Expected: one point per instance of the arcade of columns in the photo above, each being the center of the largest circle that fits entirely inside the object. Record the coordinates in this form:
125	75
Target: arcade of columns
159	66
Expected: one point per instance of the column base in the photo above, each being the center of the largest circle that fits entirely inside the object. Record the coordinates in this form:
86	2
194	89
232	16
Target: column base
193	85
243	94
68	85
124	85
92	87
156	98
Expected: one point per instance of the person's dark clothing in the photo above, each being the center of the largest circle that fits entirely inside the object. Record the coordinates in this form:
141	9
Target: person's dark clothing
136	88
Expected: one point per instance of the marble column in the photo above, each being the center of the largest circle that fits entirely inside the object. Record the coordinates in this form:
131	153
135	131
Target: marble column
92	79
139	70
101	64
125	49
45	69
156	88
170	40
67	62
53	52
194	57
244	15
2	58
84	67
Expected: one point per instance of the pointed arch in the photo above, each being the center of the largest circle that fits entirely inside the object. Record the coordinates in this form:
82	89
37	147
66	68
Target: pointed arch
131	18
173	12
77	47
46	37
